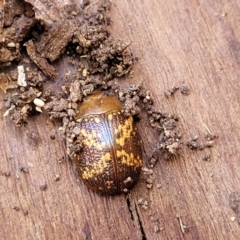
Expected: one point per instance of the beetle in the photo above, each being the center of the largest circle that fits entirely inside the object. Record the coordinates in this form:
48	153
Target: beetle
110	159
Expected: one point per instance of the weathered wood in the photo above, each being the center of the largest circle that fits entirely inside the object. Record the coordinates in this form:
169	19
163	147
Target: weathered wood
195	44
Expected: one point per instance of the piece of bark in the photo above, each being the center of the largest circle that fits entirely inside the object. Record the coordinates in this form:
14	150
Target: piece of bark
12	8
42	63
2	16
12	36
18	30
49	11
54	43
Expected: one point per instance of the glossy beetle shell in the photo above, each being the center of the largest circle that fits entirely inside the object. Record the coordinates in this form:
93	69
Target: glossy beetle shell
111	158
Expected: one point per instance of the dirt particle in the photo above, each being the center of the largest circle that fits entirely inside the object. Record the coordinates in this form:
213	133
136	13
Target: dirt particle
56	178
16	208
143	203
156	229
185	90
192	144
195	143
171	91
211	136
33	137
149	186
127	180
43	187
7	174
25	212
152	161
147	171
149	180
60	160
207	157
24	169
52	136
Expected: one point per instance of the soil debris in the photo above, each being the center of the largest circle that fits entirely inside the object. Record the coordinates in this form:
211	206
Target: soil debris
18	21
185	90
16	208
24	169
143	203
196	144
171	91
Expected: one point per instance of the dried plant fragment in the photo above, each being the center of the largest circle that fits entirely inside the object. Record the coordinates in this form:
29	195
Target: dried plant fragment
6	82
21	76
55	42
42	63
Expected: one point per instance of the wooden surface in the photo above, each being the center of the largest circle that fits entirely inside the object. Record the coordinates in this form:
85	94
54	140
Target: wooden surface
195	44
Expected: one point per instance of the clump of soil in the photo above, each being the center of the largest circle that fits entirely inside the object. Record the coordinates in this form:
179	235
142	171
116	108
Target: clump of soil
185	90
84	37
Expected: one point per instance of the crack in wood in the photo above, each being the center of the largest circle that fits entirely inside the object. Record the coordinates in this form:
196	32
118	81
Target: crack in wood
138	217
140	224
130	208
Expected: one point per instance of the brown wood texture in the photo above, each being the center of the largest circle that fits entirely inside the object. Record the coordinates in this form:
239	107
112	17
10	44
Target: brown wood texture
193	43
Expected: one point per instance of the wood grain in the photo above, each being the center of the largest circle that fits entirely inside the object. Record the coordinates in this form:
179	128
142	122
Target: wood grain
196	44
